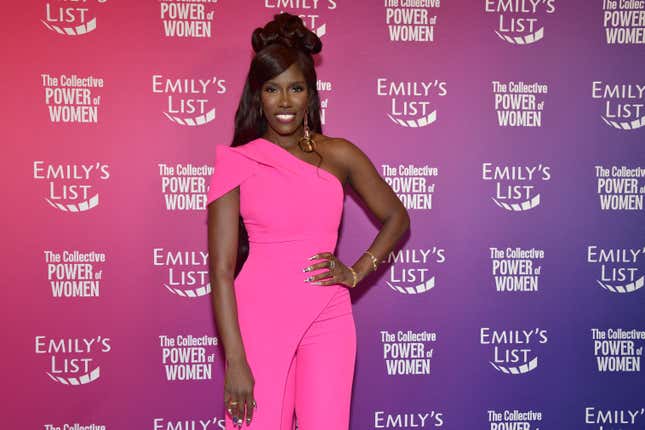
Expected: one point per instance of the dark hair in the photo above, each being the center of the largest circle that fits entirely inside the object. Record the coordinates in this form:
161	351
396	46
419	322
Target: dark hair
282	42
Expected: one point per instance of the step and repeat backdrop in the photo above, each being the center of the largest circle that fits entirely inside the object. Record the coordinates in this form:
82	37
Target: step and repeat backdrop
512	130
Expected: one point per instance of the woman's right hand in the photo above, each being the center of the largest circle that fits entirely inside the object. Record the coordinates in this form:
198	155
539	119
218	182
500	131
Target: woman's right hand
238	392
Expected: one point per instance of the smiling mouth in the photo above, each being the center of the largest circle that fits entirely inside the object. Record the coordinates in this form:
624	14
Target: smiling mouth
285	117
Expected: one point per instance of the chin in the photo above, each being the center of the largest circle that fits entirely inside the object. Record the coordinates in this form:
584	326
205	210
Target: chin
283	130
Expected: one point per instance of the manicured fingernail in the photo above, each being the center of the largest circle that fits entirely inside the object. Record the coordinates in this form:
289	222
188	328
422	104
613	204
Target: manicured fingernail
312	257
315	283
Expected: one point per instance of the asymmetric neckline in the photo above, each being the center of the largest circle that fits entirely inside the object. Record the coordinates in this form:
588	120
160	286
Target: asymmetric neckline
286	153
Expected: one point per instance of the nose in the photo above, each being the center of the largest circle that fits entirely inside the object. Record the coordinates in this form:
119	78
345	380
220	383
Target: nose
285	99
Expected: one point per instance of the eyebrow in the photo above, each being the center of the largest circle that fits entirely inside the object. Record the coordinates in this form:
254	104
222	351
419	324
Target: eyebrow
292	83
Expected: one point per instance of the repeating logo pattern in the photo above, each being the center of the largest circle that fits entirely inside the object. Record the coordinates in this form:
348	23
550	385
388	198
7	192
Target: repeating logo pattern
113	114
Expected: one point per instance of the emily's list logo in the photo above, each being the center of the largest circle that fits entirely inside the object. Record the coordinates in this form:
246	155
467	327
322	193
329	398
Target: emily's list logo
70	18
516	186
520	22
514	351
623	104
186	271
73	360
411	269
189	100
425	419
619	268
312	12
160	423
71	187
614	419
410	100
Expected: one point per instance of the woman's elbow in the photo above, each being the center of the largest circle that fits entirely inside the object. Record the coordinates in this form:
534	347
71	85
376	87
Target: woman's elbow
221	272
405	220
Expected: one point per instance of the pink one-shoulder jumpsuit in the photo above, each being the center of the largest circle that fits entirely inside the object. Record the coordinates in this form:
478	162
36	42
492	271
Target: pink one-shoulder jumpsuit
299	338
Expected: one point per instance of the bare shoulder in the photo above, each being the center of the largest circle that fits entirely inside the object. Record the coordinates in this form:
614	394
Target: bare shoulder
341	151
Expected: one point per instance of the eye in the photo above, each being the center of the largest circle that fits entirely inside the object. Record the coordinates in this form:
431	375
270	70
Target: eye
298	88
269	89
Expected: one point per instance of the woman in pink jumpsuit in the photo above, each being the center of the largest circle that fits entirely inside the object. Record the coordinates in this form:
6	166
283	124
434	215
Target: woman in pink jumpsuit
290	344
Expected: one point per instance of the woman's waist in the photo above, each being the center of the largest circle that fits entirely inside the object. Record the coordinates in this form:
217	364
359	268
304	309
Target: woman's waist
292	248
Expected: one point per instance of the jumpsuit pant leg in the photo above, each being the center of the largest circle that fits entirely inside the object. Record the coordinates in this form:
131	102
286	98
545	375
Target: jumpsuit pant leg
324	368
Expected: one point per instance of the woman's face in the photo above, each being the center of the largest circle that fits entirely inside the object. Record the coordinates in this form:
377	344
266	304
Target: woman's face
284	99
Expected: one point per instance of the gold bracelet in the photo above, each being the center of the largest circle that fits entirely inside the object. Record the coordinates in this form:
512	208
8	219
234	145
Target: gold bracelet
374	260
353	275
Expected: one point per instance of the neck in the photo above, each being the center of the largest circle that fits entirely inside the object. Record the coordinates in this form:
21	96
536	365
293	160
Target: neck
285	141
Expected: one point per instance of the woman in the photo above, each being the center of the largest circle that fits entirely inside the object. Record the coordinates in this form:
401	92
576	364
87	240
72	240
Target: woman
289	337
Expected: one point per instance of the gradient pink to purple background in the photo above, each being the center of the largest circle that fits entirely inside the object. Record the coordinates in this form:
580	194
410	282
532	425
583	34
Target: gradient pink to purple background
133	136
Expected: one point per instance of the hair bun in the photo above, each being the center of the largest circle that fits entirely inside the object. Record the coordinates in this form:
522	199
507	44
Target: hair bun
288	30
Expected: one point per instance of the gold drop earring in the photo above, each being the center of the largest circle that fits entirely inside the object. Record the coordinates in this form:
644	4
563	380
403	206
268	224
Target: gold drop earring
306	143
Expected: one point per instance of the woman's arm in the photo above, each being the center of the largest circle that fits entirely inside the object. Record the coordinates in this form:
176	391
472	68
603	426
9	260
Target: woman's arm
223	222
379	198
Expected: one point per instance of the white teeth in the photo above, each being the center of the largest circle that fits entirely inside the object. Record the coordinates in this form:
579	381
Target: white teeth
286	117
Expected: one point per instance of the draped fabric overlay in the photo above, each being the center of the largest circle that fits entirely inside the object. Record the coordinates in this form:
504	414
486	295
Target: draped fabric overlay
512	131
